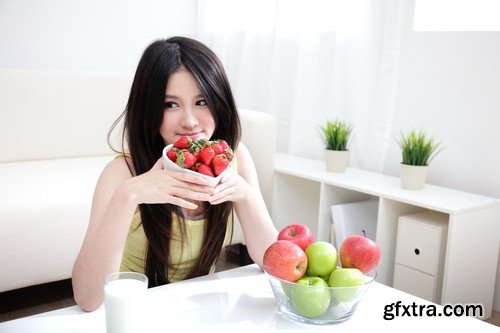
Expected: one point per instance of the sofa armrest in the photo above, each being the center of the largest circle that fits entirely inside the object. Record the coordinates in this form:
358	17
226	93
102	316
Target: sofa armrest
259	136
44	216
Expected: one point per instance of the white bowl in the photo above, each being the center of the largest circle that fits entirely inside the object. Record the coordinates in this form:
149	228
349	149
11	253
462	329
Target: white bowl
168	164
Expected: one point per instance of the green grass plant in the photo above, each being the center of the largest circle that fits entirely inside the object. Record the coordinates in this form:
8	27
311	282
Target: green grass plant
336	134
418	148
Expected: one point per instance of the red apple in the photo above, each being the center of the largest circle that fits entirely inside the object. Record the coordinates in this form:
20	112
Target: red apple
359	252
285	260
297	233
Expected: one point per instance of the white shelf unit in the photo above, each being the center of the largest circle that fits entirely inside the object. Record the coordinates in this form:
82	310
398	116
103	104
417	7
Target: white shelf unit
303	191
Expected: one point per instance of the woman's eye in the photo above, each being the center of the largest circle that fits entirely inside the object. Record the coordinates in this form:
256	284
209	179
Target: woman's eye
170	105
201	102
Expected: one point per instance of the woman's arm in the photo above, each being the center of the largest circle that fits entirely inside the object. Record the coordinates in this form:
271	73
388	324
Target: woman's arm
116	197
243	189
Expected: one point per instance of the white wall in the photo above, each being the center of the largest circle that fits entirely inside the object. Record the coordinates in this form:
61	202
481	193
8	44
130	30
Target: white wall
449	85
107	35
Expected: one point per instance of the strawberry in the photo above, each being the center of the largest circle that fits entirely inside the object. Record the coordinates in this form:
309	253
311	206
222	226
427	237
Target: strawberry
207	154
217	147
195	150
202	142
206	157
204	169
223	144
185	159
183	142
220	163
229	154
172	155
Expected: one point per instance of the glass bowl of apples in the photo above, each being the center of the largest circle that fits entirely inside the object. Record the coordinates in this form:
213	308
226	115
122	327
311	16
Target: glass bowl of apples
313	300
312	282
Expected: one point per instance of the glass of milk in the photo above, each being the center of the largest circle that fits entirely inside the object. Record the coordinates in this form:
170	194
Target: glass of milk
123	301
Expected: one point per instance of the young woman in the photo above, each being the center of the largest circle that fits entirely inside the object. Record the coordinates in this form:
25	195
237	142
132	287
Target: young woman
167	224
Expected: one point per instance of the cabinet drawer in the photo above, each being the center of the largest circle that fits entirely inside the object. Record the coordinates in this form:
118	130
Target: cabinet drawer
420	244
415	282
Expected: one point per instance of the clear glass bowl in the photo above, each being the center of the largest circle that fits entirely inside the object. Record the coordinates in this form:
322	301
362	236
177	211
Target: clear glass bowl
318	305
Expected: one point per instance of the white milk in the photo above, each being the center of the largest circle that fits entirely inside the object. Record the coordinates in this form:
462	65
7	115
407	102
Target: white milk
123	300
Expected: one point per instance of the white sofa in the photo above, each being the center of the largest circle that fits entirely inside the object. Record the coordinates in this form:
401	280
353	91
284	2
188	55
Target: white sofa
53	129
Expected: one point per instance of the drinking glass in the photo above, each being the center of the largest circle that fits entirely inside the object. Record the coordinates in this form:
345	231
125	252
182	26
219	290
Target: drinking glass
123	301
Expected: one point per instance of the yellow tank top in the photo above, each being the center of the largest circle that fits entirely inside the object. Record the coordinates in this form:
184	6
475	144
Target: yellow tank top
183	255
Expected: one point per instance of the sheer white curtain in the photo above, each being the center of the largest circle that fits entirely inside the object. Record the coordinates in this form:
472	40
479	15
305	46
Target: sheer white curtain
306	61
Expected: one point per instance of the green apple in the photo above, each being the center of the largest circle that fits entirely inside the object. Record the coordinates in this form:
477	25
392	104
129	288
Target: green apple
325	277
321	259
350	279
287	288
311	296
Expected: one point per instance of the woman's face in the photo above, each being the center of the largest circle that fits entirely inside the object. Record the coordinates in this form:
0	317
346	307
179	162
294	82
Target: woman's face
186	112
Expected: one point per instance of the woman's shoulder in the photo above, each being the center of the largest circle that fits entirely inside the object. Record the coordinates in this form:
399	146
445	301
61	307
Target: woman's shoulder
120	167
241	150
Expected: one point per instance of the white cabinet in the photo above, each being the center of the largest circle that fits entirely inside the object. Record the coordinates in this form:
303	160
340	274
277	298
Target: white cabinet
303	191
414	282
420	250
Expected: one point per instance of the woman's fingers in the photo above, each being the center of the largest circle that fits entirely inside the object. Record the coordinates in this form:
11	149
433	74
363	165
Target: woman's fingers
222	196
226	182
191	187
231	188
174	186
188	178
182	203
230	173
189	194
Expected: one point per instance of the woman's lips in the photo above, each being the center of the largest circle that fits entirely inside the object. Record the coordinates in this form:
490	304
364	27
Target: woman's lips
193	136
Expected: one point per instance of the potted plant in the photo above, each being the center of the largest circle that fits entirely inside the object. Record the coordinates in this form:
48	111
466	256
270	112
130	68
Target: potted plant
418	150
335	135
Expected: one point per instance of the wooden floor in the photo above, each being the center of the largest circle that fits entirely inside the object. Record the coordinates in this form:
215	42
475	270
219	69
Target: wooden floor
52	296
495	318
37	299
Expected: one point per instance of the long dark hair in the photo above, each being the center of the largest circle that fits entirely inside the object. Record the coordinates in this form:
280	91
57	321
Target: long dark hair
141	133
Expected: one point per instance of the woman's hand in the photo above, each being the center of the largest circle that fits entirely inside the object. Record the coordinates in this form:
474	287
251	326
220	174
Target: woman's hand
232	187
168	186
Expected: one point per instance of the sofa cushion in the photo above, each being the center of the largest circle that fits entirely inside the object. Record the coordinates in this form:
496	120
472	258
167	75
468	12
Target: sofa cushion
44	216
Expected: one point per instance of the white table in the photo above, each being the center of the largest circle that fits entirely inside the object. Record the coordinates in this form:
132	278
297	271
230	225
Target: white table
240	300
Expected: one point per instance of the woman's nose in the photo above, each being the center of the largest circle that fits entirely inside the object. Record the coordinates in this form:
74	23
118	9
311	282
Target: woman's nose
189	120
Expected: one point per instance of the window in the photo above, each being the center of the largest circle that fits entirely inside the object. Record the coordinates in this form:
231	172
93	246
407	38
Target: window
456	15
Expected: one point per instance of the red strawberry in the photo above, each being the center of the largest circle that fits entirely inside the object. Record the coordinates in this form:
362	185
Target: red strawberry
220	163
172	155
195	150
223	144
202	142
183	142
185	159
229	154
205	169
217	148
195	166
207	154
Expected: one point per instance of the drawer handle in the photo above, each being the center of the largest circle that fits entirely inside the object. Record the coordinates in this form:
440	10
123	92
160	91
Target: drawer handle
417	252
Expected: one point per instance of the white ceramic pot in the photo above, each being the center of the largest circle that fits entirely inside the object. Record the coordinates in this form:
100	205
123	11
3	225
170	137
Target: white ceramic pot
413	176
336	160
